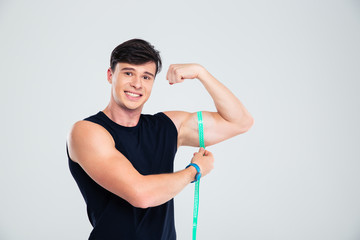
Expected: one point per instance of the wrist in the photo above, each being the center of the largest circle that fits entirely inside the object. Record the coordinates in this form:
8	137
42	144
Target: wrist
197	175
191	173
203	73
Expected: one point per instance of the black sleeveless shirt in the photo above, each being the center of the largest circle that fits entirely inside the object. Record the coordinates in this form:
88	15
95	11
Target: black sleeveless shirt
150	146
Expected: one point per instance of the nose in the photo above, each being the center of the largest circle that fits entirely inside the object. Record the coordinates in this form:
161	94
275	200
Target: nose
136	82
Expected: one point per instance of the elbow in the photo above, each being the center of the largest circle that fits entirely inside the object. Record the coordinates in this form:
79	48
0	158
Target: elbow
140	203
245	125
139	199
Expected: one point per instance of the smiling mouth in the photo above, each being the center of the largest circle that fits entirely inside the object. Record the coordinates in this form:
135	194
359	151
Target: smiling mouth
131	94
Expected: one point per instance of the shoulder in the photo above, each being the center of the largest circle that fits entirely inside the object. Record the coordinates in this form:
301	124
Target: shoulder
87	128
85	135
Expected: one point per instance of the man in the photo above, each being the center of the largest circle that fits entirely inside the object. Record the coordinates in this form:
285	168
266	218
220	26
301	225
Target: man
122	160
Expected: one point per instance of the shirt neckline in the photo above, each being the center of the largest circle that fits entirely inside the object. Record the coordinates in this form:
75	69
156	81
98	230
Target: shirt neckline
118	125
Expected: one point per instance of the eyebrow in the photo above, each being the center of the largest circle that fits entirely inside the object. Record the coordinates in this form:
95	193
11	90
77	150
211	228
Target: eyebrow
133	69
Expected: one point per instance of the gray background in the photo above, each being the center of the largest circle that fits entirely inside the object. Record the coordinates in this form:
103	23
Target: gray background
294	65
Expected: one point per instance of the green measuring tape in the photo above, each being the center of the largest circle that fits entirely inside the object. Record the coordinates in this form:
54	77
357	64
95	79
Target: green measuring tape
197	183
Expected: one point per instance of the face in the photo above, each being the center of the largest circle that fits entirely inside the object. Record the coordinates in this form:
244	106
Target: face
132	84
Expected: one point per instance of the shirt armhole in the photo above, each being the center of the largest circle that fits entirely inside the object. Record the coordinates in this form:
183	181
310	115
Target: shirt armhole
164	116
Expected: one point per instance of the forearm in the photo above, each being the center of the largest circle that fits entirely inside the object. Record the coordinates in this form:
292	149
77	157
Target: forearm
228	106
154	190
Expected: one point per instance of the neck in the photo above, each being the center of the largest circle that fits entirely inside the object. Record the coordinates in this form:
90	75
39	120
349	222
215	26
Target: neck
122	116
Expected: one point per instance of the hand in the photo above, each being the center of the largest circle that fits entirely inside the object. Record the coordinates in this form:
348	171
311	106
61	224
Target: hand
177	73
205	160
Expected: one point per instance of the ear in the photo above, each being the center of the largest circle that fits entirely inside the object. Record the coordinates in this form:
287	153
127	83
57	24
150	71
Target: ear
109	75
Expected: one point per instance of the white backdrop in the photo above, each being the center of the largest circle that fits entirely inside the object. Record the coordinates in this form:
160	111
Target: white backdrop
294	65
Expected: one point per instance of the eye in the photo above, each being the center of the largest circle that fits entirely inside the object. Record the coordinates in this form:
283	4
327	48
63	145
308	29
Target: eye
128	73
147	78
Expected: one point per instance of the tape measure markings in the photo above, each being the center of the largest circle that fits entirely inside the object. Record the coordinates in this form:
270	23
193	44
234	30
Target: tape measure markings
197	183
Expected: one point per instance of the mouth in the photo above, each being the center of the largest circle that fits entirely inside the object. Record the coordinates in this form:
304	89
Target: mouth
132	94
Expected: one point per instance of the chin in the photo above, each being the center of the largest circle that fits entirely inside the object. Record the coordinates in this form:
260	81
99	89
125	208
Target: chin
134	107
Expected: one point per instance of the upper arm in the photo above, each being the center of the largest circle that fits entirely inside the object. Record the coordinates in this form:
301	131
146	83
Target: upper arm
216	128
93	148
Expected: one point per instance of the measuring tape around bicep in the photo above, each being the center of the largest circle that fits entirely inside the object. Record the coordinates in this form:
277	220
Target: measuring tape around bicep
197	183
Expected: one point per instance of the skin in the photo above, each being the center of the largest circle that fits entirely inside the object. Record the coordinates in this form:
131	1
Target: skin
93	147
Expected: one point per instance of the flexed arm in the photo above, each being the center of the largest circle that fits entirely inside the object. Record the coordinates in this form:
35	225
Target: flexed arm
231	118
93	148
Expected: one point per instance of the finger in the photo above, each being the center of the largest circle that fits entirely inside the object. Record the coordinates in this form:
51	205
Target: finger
171	78
208	153
201	150
174	74
168	73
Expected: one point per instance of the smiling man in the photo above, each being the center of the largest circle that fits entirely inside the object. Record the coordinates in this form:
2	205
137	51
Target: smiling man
122	160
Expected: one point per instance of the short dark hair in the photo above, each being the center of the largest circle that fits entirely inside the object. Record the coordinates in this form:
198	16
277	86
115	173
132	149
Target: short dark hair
135	51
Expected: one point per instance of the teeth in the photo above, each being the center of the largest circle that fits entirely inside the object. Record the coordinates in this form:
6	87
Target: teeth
132	94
